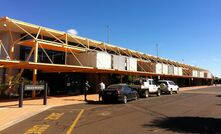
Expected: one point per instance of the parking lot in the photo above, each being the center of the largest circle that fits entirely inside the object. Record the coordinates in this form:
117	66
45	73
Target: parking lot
195	111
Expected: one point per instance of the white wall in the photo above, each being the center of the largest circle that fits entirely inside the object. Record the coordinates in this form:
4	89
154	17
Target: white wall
198	73
118	62
165	69
180	70
171	69
176	71
91	59
131	64
103	60
201	74
159	68
209	75
194	72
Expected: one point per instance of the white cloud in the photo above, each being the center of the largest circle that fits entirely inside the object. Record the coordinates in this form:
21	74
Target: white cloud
216	60
72	31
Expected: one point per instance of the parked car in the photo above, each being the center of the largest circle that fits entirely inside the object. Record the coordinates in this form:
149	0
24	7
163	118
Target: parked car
145	87
119	92
168	86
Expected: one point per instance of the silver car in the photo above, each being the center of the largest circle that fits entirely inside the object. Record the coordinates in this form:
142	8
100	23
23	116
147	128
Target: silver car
168	86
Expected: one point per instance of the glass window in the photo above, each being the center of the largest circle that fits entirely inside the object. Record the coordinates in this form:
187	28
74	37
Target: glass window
171	83
114	87
150	82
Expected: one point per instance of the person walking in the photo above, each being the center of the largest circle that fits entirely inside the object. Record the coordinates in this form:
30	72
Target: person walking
86	88
102	87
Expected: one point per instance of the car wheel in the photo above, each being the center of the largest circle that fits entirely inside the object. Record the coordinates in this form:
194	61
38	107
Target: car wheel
177	91
146	94
171	92
125	99
158	92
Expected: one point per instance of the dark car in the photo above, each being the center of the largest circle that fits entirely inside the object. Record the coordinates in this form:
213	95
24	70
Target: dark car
120	93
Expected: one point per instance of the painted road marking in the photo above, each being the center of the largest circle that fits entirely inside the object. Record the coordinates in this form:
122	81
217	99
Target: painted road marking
81	108
71	129
37	129
53	109
54	116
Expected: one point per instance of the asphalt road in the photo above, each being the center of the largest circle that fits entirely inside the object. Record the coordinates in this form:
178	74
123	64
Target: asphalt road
197	111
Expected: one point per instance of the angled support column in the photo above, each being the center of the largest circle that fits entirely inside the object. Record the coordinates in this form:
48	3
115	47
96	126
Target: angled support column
34	76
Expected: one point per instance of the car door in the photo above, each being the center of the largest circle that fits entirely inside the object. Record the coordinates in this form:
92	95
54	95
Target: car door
128	92
172	84
151	88
154	86
125	92
133	93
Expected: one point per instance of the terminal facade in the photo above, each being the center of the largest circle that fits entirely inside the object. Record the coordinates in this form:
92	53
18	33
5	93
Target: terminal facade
66	61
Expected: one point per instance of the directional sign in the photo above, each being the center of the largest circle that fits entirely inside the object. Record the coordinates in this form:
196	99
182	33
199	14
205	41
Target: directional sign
30	88
34	87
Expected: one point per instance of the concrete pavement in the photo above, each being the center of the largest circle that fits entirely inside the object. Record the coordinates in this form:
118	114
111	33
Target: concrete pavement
10	113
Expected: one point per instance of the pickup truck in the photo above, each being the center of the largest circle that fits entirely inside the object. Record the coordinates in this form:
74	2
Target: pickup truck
146	86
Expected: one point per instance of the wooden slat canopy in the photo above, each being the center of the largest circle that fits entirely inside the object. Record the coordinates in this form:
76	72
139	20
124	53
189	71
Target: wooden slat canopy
23	27
45	67
52	46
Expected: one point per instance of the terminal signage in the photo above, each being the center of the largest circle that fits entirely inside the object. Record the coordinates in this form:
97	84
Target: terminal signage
31	88
34	87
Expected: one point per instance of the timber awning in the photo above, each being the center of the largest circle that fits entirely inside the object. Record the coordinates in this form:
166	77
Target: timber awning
56	68
52	46
63	42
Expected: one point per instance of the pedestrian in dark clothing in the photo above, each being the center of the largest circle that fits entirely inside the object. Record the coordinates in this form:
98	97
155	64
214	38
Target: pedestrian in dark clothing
86	88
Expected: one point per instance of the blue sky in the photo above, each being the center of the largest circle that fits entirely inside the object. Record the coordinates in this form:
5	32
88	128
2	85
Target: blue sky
186	30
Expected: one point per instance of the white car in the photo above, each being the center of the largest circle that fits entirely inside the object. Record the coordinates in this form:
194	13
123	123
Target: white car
168	86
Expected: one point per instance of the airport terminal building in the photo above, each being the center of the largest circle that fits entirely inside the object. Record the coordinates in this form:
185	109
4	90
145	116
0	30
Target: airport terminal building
66	61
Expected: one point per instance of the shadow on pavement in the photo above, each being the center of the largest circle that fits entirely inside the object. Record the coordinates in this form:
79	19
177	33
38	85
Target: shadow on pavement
188	124
71	100
9	106
94	102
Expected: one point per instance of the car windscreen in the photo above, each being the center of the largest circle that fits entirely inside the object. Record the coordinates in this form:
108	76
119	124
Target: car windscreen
172	83
138	82
114	87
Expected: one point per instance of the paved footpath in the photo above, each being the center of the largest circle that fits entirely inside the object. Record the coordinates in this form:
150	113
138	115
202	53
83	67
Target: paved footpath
34	107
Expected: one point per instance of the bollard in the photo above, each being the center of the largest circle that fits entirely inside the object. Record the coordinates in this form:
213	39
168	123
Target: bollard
21	89
45	94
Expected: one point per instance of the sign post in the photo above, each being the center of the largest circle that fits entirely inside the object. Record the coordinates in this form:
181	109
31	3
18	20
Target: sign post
31	88
45	94
21	92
